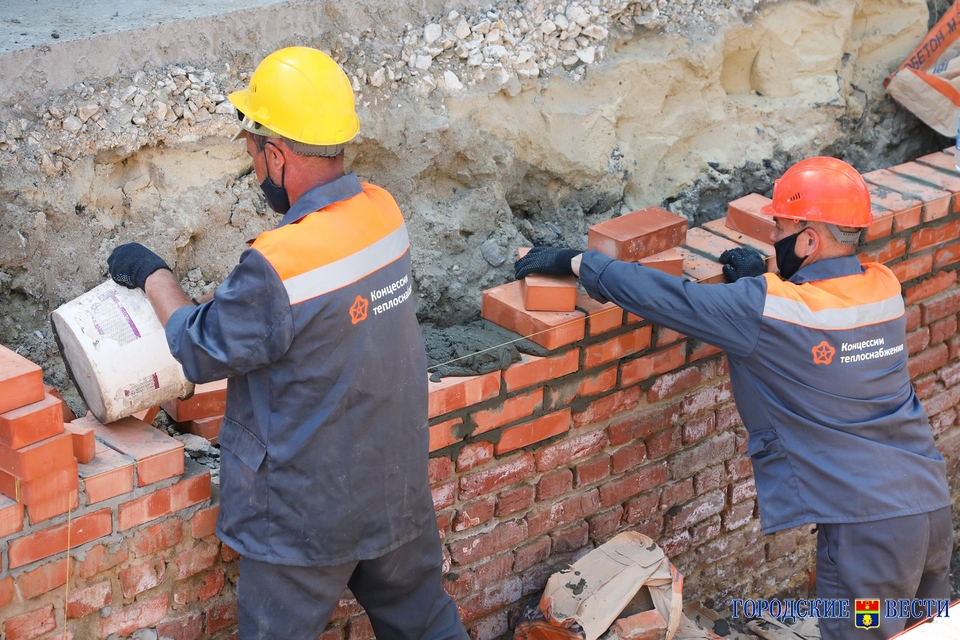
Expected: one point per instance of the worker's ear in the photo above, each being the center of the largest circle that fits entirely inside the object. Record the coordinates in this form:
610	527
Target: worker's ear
274	154
808	243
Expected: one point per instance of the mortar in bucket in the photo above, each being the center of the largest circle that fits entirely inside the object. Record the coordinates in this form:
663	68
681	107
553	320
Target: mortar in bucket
116	352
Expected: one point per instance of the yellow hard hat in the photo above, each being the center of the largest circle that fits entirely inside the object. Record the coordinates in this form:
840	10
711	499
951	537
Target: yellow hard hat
300	94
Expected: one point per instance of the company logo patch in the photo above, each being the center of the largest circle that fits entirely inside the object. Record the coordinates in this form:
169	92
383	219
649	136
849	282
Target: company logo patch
823	353
358	310
866	613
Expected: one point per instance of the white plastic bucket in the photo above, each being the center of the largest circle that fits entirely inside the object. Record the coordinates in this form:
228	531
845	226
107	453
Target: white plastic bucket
116	352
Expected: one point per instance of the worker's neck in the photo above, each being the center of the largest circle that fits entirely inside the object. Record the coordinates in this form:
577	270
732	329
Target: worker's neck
306	173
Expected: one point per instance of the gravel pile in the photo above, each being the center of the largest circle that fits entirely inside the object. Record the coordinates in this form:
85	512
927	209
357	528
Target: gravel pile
505	46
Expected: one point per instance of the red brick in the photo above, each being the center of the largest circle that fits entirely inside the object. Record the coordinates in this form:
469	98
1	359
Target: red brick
137	578
696	510
884	253
669	261
592	471
42	489
628	457
208	400
204	522
188	627
39	459
705	531
31	423
941	281
743	215
141	614
739	469
646	625
743	490
533	431
533	370
439	469
150	540
503	306
925	386
928	360
549	293
147	415
513	500
708	244
675	382
700	269
577	447
913	267
677	493
162	502
950	375
605	524
443	434
942	160
945	255
360	629
706	399
531	553
86	601
738	515
676	544
54	507
936	202
942	401
444	495
554	484
550	517
511	410
930	236
208	428
651	420
200	558
157	456
53	540
46	578
485	545
570	539
98	559
940	306
607	407
108	475
6	591
882	225
227	554
504	474
454	393
473	455
912	316
84	442
664	442
31	624
618	347
642	368
720	228
699	428
68	414
638	235
633	483
892	210
221	616
11	516
474	514
942	329
21	381
918	340
597	383
931	177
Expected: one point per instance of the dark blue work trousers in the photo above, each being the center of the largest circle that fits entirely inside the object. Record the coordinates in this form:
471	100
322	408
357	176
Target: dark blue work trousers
401	592
894	559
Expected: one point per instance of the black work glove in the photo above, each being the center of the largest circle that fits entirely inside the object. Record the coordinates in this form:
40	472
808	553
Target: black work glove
547	260
131	264
742	262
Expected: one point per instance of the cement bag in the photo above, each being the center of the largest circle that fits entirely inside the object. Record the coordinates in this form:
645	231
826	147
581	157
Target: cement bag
933	97
589	598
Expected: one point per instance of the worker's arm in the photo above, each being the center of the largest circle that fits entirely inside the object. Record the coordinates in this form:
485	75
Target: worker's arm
165	294
724	315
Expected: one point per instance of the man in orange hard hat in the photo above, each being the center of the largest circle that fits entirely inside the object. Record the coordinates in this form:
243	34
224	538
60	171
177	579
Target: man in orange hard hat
324	442
818	365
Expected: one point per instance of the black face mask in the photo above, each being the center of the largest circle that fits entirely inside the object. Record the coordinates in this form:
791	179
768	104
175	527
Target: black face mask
788	262
275	194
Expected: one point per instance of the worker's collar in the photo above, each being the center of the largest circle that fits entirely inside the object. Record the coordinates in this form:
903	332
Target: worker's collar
828	268
323	196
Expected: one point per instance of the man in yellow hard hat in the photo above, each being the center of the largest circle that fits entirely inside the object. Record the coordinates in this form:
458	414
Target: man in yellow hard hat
325	439
818	366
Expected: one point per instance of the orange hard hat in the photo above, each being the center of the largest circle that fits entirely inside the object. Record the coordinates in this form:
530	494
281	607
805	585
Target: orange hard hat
822	189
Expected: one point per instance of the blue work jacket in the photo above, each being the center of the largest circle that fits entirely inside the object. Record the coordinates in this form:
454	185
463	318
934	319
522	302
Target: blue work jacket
818	366
325	438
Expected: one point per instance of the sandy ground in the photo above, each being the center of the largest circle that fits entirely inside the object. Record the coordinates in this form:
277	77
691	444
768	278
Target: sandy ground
32	23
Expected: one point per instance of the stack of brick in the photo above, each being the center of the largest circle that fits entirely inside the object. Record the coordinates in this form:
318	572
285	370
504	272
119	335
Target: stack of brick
201	413
96	514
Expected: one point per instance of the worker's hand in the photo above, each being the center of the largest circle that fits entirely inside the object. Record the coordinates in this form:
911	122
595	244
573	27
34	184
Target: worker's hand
131	264
742	262
547	260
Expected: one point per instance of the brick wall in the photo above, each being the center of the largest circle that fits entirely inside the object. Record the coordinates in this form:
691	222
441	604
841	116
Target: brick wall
623	425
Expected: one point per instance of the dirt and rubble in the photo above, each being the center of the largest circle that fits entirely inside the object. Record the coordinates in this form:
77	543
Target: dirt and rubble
496	125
